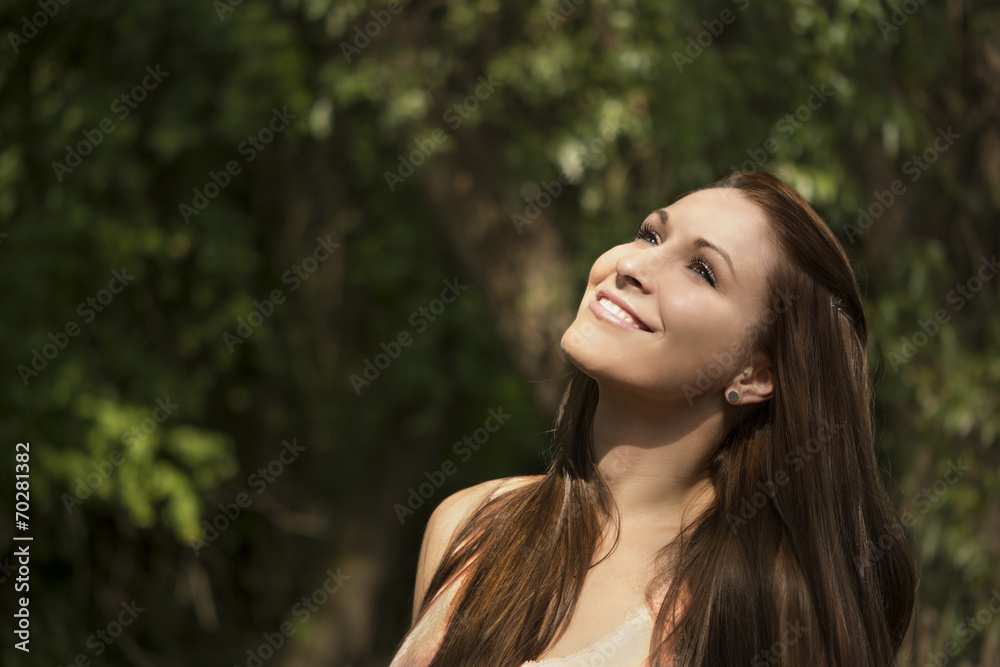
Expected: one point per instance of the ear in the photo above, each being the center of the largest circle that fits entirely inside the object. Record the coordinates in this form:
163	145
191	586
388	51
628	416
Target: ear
756	386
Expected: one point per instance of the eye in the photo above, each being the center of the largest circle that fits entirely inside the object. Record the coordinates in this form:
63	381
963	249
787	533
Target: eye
646	232
701	266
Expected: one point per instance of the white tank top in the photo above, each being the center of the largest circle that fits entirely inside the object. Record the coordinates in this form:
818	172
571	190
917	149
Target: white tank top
628	646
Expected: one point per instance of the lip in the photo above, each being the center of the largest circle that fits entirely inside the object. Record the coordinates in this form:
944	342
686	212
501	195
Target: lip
611	318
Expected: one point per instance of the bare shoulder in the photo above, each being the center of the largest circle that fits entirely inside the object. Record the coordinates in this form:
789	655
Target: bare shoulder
445	522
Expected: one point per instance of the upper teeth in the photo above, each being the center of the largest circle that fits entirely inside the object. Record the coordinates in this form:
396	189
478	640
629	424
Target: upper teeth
613	307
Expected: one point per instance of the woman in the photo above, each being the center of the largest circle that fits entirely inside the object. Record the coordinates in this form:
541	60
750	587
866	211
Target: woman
717	498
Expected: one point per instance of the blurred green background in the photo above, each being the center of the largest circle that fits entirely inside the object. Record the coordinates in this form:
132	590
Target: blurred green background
268	266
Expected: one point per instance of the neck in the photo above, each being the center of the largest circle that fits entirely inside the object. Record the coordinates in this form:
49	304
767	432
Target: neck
655	458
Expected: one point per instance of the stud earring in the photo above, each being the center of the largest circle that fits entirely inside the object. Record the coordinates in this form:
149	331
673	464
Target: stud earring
733	396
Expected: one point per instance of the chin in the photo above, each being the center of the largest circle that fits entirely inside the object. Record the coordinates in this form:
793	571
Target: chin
586	355
569	350
577	341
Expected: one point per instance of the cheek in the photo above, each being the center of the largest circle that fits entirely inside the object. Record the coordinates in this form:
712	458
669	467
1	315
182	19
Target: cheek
701	334
692	316
603	267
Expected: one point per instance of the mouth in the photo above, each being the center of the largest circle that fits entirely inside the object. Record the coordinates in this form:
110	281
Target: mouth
615	312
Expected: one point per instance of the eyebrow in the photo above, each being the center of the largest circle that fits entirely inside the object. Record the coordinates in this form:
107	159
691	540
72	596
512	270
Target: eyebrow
700	242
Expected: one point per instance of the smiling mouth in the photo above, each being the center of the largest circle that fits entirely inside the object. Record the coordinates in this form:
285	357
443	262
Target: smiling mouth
611	312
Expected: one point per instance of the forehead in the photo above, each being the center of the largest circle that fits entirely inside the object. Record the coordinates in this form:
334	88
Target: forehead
728	219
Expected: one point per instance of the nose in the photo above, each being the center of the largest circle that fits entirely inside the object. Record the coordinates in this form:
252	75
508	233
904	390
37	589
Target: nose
630	272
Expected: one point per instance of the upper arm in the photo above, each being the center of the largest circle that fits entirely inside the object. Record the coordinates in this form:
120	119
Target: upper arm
445	522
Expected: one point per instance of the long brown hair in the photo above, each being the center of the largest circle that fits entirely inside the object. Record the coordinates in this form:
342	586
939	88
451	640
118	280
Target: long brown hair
801	560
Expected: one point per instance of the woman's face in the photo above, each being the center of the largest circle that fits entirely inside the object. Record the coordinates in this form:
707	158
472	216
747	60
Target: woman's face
694	283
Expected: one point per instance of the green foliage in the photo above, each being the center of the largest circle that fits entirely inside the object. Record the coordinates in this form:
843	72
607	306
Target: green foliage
566	73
